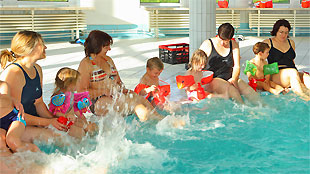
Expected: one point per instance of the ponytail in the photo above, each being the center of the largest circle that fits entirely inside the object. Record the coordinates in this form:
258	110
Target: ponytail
6	56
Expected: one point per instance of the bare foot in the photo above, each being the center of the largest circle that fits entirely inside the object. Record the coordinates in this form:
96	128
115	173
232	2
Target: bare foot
285	91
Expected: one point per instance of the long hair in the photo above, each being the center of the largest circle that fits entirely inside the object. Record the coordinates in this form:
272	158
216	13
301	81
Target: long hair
23	43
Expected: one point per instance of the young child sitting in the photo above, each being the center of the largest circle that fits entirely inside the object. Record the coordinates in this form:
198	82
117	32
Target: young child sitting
258	78
70	106
12	124
149	83
196	92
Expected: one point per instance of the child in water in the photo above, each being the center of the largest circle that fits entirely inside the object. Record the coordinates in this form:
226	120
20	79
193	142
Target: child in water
70	106
196	92
259	80
149	83
12	124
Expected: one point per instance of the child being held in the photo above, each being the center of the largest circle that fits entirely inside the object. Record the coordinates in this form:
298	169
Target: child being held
12	124
70	106
259	80
196	65
149	83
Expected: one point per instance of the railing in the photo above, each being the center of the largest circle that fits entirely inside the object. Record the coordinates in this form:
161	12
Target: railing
52	22
264	19
176	20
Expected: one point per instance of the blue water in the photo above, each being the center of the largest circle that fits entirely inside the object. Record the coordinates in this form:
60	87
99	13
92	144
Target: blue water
219	137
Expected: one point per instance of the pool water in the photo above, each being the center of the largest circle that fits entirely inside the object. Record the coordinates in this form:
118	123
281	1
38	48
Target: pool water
219	137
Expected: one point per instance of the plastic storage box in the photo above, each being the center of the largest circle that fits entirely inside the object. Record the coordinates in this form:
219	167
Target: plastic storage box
174	53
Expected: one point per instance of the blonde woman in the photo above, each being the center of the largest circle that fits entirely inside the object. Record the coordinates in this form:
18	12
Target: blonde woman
24	78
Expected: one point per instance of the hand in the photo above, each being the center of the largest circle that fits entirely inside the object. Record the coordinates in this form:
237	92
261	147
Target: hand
19	107
58	125
150	89
234	83
71	117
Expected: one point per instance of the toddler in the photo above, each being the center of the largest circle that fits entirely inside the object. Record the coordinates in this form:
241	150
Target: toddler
70	106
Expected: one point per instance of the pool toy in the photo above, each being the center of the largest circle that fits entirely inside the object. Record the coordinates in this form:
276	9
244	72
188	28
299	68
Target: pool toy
60	103
65	121
250	67
81	102
271	68
207	77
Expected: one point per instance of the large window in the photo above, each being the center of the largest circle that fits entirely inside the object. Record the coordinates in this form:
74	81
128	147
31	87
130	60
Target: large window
47	0
277	1
159	1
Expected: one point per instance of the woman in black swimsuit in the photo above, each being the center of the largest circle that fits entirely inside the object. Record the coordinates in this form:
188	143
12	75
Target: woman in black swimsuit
100	77
224	61
282	50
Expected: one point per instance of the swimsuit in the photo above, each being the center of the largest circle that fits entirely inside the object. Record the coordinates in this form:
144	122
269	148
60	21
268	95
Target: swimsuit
7	120
285	59
253	82
31	91
221	66
98	75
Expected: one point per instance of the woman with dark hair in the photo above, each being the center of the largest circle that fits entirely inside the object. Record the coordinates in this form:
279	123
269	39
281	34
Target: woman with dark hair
224	61
282	50
100	77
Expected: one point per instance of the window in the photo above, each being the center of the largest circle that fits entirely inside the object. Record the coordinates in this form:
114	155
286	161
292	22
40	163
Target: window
47	0
276	1
159	1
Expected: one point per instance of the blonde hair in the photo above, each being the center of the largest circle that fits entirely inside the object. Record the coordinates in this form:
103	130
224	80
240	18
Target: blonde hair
65	77
260	47
199	57
23	43
155	62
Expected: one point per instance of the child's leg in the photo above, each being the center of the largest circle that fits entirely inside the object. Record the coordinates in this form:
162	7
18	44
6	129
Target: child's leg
4	150
269	88
13	138
76	132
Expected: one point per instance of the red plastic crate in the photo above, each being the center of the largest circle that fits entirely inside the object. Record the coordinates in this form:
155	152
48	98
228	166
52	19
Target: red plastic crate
174	53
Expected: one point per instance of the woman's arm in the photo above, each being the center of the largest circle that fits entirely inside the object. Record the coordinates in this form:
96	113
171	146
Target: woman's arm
236	68
39	103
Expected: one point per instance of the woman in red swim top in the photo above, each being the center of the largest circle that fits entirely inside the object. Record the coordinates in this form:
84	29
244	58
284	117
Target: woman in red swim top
100	77
282	50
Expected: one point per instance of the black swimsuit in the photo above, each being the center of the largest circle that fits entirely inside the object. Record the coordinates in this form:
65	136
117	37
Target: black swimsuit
286	58
31	91
221	66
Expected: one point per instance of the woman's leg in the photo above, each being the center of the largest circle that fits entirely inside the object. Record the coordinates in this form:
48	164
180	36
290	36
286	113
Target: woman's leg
305	79
13	138
249	92
222	87
289	77
32	133
4	150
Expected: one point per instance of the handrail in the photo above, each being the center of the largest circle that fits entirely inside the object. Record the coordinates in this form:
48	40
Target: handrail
259	18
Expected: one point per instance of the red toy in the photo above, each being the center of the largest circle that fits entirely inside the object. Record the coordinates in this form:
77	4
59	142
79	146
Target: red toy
65	121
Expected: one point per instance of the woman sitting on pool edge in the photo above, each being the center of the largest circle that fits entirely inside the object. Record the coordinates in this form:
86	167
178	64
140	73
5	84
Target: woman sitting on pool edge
100	77
224	61
282	50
